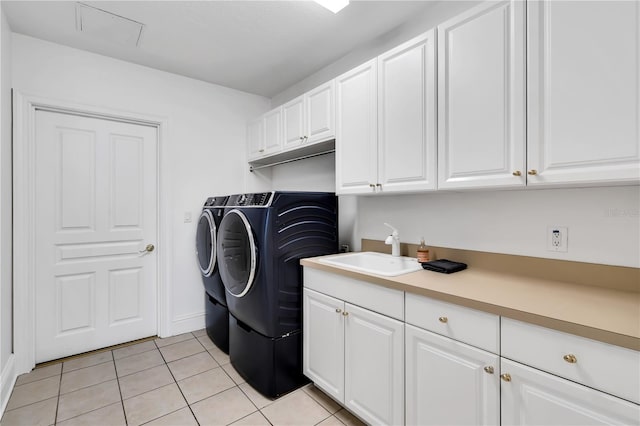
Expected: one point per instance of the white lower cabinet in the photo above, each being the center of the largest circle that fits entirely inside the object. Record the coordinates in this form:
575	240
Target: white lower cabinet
374	366
533	397
356	356
448	382
555	378
323	340
393	358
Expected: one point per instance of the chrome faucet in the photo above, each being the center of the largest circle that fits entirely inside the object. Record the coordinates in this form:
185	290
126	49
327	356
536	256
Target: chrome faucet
393	240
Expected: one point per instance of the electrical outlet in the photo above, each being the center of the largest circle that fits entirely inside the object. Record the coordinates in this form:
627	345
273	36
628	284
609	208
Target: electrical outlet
557	238
187	217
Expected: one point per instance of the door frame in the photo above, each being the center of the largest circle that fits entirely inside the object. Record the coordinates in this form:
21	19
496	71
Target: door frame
24	204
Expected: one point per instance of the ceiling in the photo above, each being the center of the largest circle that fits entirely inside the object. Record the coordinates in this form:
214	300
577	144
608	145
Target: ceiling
260	47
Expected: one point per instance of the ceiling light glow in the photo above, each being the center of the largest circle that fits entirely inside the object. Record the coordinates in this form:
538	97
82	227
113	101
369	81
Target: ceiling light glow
333	5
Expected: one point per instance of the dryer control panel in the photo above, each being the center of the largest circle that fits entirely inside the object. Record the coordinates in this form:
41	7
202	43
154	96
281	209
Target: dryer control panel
215	202
258	199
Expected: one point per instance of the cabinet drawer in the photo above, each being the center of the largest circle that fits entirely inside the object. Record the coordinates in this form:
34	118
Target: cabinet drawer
374	297
602	366
476	328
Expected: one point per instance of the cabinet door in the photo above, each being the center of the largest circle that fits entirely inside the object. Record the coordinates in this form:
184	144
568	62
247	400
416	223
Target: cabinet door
481	97
293	117
255	139
273	131
533	397
356	130
323	342
449	382
320	113
374	366
583	91
407	116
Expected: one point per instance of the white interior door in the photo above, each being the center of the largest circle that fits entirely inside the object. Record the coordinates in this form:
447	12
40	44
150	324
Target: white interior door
96	212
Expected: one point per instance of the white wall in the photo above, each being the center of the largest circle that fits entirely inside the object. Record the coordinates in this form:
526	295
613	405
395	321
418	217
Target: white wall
6	309
603	222
205	141
604	225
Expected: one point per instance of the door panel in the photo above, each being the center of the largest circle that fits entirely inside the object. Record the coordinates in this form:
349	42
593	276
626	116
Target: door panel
96	193
447	383
357	130
75	301
583	91
125	301
293	117
126	156
273	131
374	342
481	97
533	397
319	107
407	116
323	342
75	179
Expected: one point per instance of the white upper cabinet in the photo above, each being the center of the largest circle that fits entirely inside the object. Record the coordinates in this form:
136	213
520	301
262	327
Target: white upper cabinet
407	116
319	105
583	92
272	131
293	114
481	97
357	130
310	118
284	132
255	138
385	125
264	135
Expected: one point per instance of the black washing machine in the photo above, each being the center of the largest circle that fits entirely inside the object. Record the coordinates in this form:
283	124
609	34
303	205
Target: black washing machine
216	311
261	240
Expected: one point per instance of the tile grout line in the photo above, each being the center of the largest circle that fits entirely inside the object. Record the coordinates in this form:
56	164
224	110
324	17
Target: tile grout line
98	408
255	405
115	367
55	418
177	385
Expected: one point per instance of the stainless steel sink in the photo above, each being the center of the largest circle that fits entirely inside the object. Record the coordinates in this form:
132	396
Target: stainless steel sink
374	263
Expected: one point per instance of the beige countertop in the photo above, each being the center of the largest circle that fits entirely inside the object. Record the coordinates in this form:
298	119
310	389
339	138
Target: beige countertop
602	313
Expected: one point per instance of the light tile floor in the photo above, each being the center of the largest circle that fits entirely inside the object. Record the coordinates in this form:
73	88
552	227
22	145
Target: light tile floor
181	380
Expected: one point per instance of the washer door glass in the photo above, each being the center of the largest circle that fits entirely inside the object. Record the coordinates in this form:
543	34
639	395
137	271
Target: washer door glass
236	253
206	243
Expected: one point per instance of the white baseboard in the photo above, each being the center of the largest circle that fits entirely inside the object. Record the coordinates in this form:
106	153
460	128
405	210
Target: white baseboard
187	323
8	378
